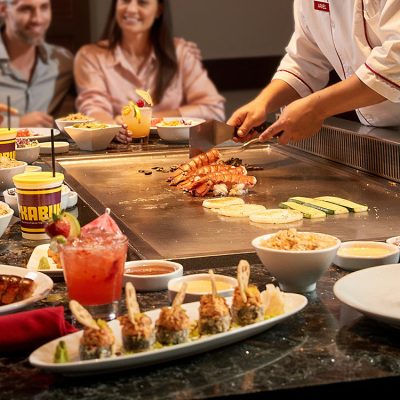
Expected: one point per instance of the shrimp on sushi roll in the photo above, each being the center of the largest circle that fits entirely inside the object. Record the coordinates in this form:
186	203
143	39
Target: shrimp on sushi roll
137	330
247	305
173	324
215	316
98	339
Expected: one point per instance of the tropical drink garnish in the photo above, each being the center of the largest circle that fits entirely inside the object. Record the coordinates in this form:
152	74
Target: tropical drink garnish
137	116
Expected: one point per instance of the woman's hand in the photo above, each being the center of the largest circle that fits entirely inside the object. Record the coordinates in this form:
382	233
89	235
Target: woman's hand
124	135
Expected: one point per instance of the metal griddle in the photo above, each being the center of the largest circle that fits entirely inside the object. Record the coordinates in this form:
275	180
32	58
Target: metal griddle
163	222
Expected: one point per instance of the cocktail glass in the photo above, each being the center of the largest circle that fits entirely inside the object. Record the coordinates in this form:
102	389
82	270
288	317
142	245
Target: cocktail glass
93	267
138	122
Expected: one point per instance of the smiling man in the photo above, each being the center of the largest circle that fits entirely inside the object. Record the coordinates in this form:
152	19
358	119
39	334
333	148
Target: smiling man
36	75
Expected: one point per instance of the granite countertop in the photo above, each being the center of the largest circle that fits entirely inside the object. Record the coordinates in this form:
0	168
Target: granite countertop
327	348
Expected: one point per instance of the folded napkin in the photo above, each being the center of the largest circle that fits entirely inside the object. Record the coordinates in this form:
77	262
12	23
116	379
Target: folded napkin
25	331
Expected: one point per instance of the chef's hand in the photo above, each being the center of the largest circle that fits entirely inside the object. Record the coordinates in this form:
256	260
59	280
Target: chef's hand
124	135
298	120
246	118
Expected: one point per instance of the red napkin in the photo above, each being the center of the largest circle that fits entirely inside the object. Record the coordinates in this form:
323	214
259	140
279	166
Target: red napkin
25	331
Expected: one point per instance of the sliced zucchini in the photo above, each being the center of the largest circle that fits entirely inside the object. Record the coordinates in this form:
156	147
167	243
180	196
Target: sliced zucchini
324	206
350	205
308	212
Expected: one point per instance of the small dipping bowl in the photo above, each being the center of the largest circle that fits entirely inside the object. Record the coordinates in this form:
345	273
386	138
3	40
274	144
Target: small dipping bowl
151	275
199	285
394	240
356	255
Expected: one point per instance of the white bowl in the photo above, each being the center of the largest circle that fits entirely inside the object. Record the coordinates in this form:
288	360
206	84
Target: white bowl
153	282
178	133
394	240
72	199
191	295
368	254
65	191
296	270
27	154
11	198
5	218
62	123
93	139
6	175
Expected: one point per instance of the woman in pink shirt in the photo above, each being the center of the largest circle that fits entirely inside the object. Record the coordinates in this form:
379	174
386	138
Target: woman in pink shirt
140	52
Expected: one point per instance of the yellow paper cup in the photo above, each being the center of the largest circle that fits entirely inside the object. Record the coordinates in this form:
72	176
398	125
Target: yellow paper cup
7	142
39	197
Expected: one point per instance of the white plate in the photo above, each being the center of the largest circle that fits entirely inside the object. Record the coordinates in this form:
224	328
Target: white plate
373	291
33	262
43	356
59	147
41	133
43	286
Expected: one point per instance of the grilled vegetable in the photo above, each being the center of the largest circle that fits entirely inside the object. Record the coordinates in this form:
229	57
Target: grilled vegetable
351	206
326	207
307	211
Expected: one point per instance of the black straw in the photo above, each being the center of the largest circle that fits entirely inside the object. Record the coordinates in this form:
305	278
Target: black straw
8	112
53	158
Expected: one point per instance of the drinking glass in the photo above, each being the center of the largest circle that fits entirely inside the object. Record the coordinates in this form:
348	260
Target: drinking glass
139	127
93	267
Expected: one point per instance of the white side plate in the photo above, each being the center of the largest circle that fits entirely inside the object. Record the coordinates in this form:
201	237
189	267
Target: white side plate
373	291
41	133
43	286
33	262
43	356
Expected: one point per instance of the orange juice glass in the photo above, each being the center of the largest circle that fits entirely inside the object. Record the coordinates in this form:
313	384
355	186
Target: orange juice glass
93	267
139	125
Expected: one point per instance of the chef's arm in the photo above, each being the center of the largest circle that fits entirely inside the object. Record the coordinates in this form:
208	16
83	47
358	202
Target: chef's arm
304	117
346	95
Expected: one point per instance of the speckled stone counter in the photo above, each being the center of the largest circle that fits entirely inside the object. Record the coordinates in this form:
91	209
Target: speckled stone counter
325	349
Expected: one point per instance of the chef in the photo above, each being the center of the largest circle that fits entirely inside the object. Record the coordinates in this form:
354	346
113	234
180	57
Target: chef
360	40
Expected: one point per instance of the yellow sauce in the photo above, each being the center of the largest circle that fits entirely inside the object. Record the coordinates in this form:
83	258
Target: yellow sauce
204	286
364	251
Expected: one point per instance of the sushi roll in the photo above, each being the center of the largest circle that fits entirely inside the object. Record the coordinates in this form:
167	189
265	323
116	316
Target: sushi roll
98	339
173	324
247	305
137	330
215	316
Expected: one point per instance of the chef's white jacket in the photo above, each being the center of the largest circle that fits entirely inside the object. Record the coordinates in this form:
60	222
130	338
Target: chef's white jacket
359	37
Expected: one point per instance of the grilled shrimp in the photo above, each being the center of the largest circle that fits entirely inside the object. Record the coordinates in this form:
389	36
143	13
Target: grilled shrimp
202	186
183	170
208	169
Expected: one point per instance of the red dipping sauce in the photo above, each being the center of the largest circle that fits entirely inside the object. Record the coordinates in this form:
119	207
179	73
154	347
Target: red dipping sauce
150	270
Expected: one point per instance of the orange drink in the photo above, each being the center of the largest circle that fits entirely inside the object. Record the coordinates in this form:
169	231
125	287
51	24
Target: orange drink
138	119
93	269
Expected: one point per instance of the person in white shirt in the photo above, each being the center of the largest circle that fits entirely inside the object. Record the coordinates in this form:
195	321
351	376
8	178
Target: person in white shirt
360	40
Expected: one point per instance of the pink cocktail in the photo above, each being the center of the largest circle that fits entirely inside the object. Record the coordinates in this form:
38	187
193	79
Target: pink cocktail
93	268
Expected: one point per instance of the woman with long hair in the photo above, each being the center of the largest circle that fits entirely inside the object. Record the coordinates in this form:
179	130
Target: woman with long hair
139	52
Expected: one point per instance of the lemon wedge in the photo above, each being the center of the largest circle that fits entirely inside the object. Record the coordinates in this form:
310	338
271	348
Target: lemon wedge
145	95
